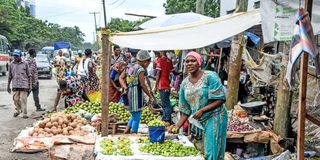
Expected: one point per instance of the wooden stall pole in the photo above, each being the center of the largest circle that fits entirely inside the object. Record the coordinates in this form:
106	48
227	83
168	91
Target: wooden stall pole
302	95
282	110
106	59
235	61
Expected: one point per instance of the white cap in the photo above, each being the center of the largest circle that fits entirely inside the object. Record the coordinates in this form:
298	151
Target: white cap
143	55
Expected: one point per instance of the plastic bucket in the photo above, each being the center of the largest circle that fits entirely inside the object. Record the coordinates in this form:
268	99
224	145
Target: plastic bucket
157	134
113	74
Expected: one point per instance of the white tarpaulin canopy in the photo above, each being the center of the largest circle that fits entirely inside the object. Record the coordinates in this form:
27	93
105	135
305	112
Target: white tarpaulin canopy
174	19
188	36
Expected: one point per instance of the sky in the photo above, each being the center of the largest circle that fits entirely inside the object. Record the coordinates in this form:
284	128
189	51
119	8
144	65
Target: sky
76	12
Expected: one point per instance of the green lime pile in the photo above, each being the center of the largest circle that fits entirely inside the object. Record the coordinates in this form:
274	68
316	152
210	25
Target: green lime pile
119	109
90	107
107	147
118	147
175	130
143	140
168	149
156	123
123	146
147	115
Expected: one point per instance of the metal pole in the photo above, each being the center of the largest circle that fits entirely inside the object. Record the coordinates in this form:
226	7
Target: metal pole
104	13
95	20
303	94
95	25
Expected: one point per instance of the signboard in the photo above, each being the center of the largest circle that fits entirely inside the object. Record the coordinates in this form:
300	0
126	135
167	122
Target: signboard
278	19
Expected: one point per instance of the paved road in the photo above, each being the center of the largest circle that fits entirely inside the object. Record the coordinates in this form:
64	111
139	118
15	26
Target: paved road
10	126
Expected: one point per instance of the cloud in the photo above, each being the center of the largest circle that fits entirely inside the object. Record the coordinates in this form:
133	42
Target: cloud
76	12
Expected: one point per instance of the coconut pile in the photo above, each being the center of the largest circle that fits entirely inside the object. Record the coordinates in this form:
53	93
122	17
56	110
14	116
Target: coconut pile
59	124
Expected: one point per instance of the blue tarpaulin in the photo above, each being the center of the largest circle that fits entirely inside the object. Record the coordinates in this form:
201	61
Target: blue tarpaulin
62	45
254	38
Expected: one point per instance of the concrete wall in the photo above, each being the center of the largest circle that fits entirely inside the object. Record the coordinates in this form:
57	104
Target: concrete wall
227	5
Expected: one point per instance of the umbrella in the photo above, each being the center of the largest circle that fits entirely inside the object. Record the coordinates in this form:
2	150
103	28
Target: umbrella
173	19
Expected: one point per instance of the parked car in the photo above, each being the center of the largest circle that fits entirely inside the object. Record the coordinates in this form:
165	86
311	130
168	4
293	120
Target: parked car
49	52
43	66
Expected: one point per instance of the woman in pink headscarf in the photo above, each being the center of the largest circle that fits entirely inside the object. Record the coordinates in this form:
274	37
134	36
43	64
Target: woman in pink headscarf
202	97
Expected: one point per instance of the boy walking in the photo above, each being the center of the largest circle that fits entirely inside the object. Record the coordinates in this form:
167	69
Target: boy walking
20	76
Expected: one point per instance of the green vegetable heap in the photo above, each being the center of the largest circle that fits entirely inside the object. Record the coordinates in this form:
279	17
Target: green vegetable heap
147	115
167	149
155	123
119	147
119	109
91	107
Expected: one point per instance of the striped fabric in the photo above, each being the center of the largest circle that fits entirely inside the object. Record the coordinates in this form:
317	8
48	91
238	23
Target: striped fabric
302	41
135	92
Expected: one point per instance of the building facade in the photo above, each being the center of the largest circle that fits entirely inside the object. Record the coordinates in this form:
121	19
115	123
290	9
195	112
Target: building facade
28	4
228	6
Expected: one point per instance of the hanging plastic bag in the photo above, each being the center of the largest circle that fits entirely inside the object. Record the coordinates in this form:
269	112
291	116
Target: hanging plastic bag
195	122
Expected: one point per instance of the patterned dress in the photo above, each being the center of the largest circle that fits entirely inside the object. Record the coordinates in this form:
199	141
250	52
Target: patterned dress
135	92
60	64
74	91
194	96
92	84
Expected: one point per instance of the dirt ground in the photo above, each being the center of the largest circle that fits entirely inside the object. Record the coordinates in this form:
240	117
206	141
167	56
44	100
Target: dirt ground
10	126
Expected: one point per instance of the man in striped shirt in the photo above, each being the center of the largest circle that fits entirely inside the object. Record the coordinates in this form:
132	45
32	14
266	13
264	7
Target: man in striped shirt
34	77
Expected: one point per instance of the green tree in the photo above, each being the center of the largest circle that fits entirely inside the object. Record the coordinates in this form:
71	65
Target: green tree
122	25
212	7
24	31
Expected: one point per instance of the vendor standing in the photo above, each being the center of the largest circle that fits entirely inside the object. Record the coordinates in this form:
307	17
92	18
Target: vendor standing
164	68
201	96
134	82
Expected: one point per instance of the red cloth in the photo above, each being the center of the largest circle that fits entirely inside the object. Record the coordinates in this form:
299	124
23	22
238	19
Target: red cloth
165	66
114	94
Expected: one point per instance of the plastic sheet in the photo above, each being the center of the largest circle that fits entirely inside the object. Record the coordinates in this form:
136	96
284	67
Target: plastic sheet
27	144
138	155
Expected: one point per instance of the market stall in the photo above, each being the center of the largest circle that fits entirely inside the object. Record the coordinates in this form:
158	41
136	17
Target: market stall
139	146
56	131
250	135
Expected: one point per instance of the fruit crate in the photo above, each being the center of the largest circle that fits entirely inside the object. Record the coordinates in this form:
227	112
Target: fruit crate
117	127
113	128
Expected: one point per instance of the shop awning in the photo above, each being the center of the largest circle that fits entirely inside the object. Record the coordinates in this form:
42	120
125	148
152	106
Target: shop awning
188	36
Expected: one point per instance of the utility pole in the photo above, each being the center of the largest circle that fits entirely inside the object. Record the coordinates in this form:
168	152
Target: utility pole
237	47
95	23
94	36
104	13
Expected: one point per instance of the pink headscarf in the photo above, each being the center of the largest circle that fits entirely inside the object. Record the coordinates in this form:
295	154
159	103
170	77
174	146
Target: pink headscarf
195	55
